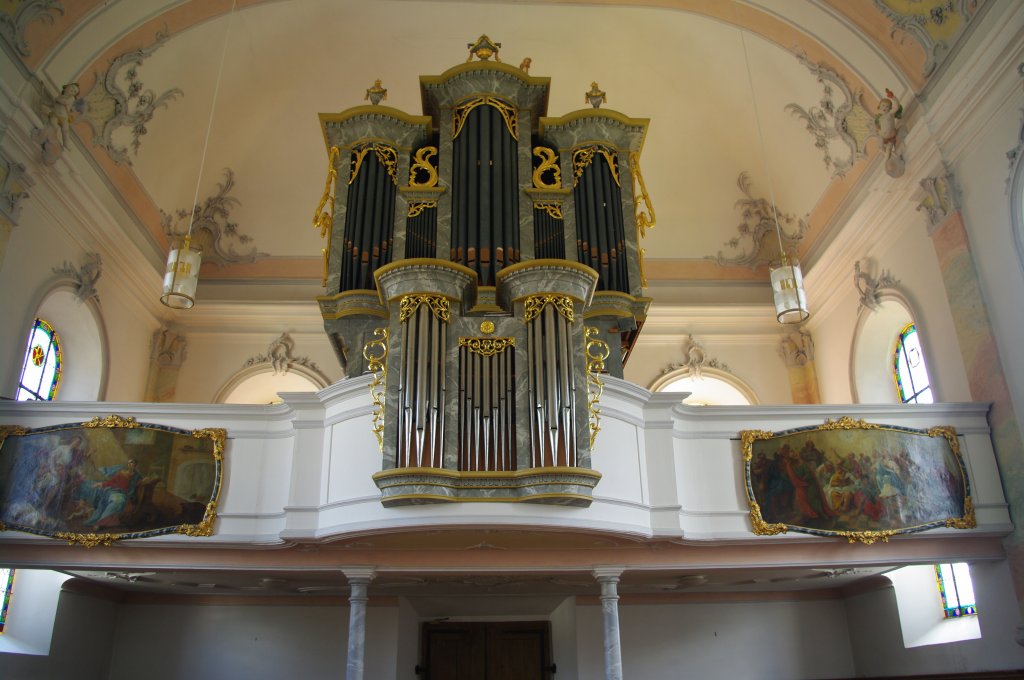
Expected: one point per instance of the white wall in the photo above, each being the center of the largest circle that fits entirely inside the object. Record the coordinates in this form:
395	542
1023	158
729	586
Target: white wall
81	639
750	640
877	642
259	642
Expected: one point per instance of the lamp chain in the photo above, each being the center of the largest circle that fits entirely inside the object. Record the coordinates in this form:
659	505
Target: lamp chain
209	124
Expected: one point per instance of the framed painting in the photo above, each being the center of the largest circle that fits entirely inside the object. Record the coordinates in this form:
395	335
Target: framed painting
109	479
861	481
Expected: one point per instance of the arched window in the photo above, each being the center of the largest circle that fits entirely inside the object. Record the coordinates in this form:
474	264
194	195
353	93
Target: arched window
712	388
909	371
41	368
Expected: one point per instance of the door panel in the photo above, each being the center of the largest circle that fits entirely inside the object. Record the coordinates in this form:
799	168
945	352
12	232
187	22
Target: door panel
487	651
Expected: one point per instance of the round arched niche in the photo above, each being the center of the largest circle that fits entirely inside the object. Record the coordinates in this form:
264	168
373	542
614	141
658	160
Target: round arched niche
260	385
83	341
874	341
713	388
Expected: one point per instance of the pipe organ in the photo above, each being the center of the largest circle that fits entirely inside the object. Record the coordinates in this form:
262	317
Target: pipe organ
483	262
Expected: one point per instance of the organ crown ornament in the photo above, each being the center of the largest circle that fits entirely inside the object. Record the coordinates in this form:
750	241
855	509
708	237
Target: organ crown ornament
482	265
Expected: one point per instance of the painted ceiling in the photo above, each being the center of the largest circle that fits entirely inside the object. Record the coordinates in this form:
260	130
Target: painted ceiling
215	103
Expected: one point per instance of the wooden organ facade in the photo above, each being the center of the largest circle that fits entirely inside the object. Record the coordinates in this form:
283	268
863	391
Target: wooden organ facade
483	262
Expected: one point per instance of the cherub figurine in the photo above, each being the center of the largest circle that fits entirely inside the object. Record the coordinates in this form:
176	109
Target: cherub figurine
55	137
376	94
525	65
596	96
889	129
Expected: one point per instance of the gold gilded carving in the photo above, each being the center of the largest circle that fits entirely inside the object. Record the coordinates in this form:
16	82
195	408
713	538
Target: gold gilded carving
322	219
645	218
112	421
487	327
376	353
844	522
507	111
439	305
548	163
535	303
487	347
552	208
6	430
204	528
417	207
387	155
584	156
597	351
421	163
483	49
87	540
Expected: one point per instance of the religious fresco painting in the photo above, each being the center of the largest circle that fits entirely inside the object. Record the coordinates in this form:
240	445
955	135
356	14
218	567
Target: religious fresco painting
857	480
109	479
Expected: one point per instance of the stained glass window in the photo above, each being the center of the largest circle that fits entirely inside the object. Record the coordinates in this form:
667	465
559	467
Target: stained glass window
956	589
909	370
7	582
40	372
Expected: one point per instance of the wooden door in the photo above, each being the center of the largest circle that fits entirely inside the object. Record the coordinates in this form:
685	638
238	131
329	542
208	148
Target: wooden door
486	651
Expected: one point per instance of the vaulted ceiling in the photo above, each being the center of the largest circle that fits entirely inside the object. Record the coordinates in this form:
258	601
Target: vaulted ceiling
748	100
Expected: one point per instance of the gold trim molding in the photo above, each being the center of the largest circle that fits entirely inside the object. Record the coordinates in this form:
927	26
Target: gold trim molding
376	353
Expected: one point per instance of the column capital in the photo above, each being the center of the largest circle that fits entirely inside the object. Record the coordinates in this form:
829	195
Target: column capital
359	574
612	574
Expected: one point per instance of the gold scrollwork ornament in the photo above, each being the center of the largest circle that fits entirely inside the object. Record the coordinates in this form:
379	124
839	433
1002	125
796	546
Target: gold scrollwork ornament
548	163
507	111
421	163
533	305
438	304
487	347
376	353
416	208
596	351
552	208
386	155
584	156
322	219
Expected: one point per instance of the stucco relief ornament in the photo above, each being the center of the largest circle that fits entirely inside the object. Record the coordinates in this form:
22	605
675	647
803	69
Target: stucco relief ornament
119	100
376	94
840	125
889	126
13	188
926	23
869	287
596	96
797	348
58	112
213	232
696	360
13	25
757	235
85	277
280	355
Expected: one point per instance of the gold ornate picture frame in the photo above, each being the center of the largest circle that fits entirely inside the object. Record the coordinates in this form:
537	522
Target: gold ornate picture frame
109	479
856	480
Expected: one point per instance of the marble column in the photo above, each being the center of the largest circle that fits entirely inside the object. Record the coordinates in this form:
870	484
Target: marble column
359	582
608	577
